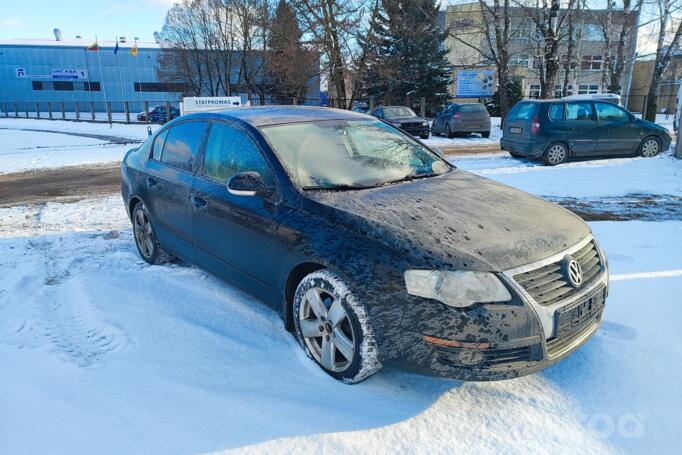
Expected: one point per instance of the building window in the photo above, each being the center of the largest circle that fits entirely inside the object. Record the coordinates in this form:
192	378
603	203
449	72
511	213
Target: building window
588	89
592	32
534	91
591	62
37	85
519	60
91	86
159	87
63	86
559	90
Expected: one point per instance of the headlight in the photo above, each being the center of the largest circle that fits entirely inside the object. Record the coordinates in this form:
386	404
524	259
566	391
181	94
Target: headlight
396	124
425	124
456	288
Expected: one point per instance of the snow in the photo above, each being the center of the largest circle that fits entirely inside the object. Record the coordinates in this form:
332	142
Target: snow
472	139
134	132
30	150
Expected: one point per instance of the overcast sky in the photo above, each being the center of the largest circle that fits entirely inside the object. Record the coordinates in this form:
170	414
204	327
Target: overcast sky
106	19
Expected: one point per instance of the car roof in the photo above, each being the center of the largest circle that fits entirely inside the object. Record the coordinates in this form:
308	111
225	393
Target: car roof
277	115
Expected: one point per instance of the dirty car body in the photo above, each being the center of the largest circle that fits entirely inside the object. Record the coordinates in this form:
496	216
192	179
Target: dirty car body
376	238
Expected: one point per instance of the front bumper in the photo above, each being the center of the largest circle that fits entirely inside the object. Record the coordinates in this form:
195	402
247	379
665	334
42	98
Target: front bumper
417	131
502	341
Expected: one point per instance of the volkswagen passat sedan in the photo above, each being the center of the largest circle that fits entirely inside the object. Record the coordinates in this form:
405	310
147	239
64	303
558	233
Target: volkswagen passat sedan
404	118
371	247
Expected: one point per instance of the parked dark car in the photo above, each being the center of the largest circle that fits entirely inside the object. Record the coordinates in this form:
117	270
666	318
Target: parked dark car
459	118
371	247
404	118
158	114
558	130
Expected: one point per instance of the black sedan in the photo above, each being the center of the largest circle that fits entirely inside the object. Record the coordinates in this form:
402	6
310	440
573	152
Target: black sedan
404	118
371	247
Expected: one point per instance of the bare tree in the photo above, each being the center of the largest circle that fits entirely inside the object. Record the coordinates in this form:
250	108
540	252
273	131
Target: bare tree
668	40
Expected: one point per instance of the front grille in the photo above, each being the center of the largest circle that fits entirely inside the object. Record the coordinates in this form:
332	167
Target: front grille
547	284
575	323
411	125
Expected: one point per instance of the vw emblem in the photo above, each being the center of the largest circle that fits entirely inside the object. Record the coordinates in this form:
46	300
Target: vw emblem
573	272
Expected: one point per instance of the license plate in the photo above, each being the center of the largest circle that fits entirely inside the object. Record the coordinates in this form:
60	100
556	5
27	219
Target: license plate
516	130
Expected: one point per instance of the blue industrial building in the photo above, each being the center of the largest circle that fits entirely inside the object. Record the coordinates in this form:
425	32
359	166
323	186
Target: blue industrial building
62	74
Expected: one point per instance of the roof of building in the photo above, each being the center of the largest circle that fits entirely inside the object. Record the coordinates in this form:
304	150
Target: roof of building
277	115
82	42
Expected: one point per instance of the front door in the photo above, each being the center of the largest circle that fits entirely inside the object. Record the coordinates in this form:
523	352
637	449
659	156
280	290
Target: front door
581	125
169	178
235	234
618	134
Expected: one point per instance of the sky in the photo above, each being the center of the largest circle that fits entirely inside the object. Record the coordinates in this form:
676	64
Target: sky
106	19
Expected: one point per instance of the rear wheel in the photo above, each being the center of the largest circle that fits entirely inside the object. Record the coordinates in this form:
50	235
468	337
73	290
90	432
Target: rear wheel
485	134
649	147
333	328
448	132
145	238
556	153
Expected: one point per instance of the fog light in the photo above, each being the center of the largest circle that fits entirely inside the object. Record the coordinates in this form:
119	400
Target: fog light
470	357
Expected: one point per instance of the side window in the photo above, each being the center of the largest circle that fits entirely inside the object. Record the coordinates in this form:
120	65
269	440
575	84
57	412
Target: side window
610	112
182	143
230	151
556	112
579	111
158	145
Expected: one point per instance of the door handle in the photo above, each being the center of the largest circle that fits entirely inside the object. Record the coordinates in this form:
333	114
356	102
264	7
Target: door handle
152	181
198	202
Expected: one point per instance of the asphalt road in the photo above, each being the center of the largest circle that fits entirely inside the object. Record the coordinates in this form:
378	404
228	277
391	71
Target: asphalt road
58	185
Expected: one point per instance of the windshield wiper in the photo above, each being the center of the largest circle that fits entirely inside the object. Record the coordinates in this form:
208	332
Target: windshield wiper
339	187
410	177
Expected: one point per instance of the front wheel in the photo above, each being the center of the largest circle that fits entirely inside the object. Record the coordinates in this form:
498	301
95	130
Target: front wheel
649	147
448	132
333	328
556	153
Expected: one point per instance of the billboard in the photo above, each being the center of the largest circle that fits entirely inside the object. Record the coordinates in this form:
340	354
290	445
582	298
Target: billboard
475	83
202	104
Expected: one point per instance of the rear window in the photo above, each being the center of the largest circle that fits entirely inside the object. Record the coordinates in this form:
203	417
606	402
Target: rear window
556	112
522	111
472	108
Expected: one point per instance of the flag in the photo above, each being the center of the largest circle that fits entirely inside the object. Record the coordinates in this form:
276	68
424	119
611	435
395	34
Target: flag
93	47
133	50
116	47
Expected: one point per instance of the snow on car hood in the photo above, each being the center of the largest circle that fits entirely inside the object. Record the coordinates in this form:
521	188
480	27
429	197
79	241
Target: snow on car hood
458	220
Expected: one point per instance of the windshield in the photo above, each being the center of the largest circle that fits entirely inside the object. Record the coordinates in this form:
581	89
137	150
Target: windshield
344	154
398	112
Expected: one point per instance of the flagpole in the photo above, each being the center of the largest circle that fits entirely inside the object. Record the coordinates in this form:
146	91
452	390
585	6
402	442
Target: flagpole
120	74
101	75
137	68
87	66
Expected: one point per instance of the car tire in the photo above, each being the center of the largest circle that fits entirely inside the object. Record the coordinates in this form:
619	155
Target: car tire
448	133
424	136
650	147
145	237
485	134
516	155
556	153
332	325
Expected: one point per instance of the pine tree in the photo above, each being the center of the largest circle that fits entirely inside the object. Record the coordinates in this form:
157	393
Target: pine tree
290	65
408	60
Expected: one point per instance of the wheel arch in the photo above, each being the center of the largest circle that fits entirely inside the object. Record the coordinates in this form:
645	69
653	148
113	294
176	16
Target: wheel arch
131	204
562	142
296	274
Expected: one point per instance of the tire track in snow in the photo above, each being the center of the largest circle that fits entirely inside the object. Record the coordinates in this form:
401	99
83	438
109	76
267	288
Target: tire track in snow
54	308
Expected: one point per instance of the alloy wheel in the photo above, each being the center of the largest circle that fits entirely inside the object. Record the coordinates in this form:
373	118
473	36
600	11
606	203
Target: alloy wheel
144	236
556	154
650	148
326	330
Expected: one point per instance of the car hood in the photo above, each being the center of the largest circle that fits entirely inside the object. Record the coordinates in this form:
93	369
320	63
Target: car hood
652	125
406	119
457	220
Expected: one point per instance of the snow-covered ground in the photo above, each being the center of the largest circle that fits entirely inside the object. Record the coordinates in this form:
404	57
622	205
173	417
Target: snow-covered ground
29	150
101	353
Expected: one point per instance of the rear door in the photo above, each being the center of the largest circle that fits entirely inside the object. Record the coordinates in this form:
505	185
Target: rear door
474	117
517	125
618	134
169	178
581	125
235	235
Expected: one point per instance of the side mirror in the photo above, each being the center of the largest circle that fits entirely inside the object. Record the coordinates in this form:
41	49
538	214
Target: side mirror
246	184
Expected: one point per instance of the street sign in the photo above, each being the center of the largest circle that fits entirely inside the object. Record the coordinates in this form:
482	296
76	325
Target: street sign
205	103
